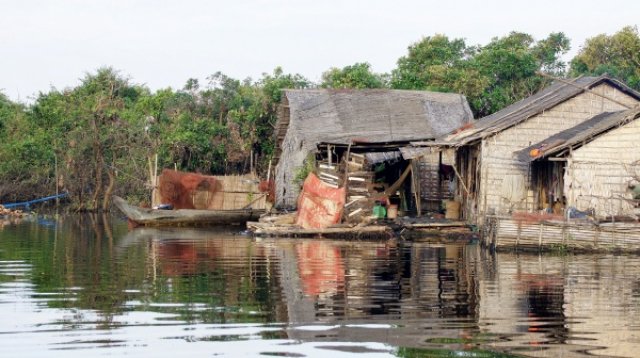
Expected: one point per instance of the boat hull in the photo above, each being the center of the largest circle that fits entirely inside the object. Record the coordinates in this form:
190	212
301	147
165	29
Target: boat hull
185	217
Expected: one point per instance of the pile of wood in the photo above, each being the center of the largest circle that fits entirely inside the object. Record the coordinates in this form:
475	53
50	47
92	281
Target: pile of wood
360	185
13	213
329	174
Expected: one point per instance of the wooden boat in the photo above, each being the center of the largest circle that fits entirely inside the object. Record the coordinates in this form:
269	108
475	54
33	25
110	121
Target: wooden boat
185	217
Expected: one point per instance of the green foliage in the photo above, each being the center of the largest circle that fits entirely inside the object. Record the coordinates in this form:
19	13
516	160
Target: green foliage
25	151
273	84
617	55
357	76
307	167
491	76
429	63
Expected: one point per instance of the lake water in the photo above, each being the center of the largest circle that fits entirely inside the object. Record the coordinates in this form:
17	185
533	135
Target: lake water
87	286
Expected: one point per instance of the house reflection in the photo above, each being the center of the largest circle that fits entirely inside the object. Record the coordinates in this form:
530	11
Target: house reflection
387	279
542	302
323	281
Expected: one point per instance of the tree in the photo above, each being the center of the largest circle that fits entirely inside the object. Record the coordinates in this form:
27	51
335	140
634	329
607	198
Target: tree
617	55
356	76
429	62
272	86
24	152
216	129
93	131
491	76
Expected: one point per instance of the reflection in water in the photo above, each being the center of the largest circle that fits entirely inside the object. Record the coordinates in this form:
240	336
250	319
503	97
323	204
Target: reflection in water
542	301
88	283
320	267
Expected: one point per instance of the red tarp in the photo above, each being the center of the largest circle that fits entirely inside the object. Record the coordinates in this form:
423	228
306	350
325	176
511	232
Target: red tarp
319	205
179	188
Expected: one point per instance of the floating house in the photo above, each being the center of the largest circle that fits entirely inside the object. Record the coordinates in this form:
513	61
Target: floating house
493	181
360	139
594	166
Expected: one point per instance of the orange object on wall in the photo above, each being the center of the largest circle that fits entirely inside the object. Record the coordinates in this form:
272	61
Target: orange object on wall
319	205
535	152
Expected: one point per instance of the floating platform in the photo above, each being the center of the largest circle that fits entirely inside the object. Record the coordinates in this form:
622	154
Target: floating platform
438	227
336	231
550	234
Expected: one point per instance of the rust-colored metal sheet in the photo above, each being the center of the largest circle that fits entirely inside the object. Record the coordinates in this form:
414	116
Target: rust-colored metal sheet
319	205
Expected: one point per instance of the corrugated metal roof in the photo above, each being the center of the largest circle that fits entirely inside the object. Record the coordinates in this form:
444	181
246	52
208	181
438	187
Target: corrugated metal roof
581	133
520	111
379	157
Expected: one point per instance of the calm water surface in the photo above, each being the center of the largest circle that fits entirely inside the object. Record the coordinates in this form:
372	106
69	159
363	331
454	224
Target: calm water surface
86	286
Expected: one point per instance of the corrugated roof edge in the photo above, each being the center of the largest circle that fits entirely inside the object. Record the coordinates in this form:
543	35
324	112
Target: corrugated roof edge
498	121
582	133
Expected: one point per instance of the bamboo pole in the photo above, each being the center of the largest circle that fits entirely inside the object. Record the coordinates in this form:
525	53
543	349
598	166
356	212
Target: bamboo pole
251	162
346	177
416	188
464	186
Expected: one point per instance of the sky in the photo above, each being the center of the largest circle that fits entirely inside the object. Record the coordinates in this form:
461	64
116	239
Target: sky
47	44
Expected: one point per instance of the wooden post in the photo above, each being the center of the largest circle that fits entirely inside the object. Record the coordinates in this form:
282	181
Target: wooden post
440	196
251	162
416	187
496	233
346	177
153	178
540	238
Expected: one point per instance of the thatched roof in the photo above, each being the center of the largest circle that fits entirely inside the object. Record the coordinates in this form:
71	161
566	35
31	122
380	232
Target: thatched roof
578	135
520	111
310	117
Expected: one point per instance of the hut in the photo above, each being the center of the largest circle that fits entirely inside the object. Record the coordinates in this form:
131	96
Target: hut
319	127
494	181
594	166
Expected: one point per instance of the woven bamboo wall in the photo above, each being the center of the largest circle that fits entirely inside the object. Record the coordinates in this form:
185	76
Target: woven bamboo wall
429	176
599	173
504	181
237	192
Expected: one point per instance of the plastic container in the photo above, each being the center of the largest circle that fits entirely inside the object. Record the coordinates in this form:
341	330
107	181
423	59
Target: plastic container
379	212
392	211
